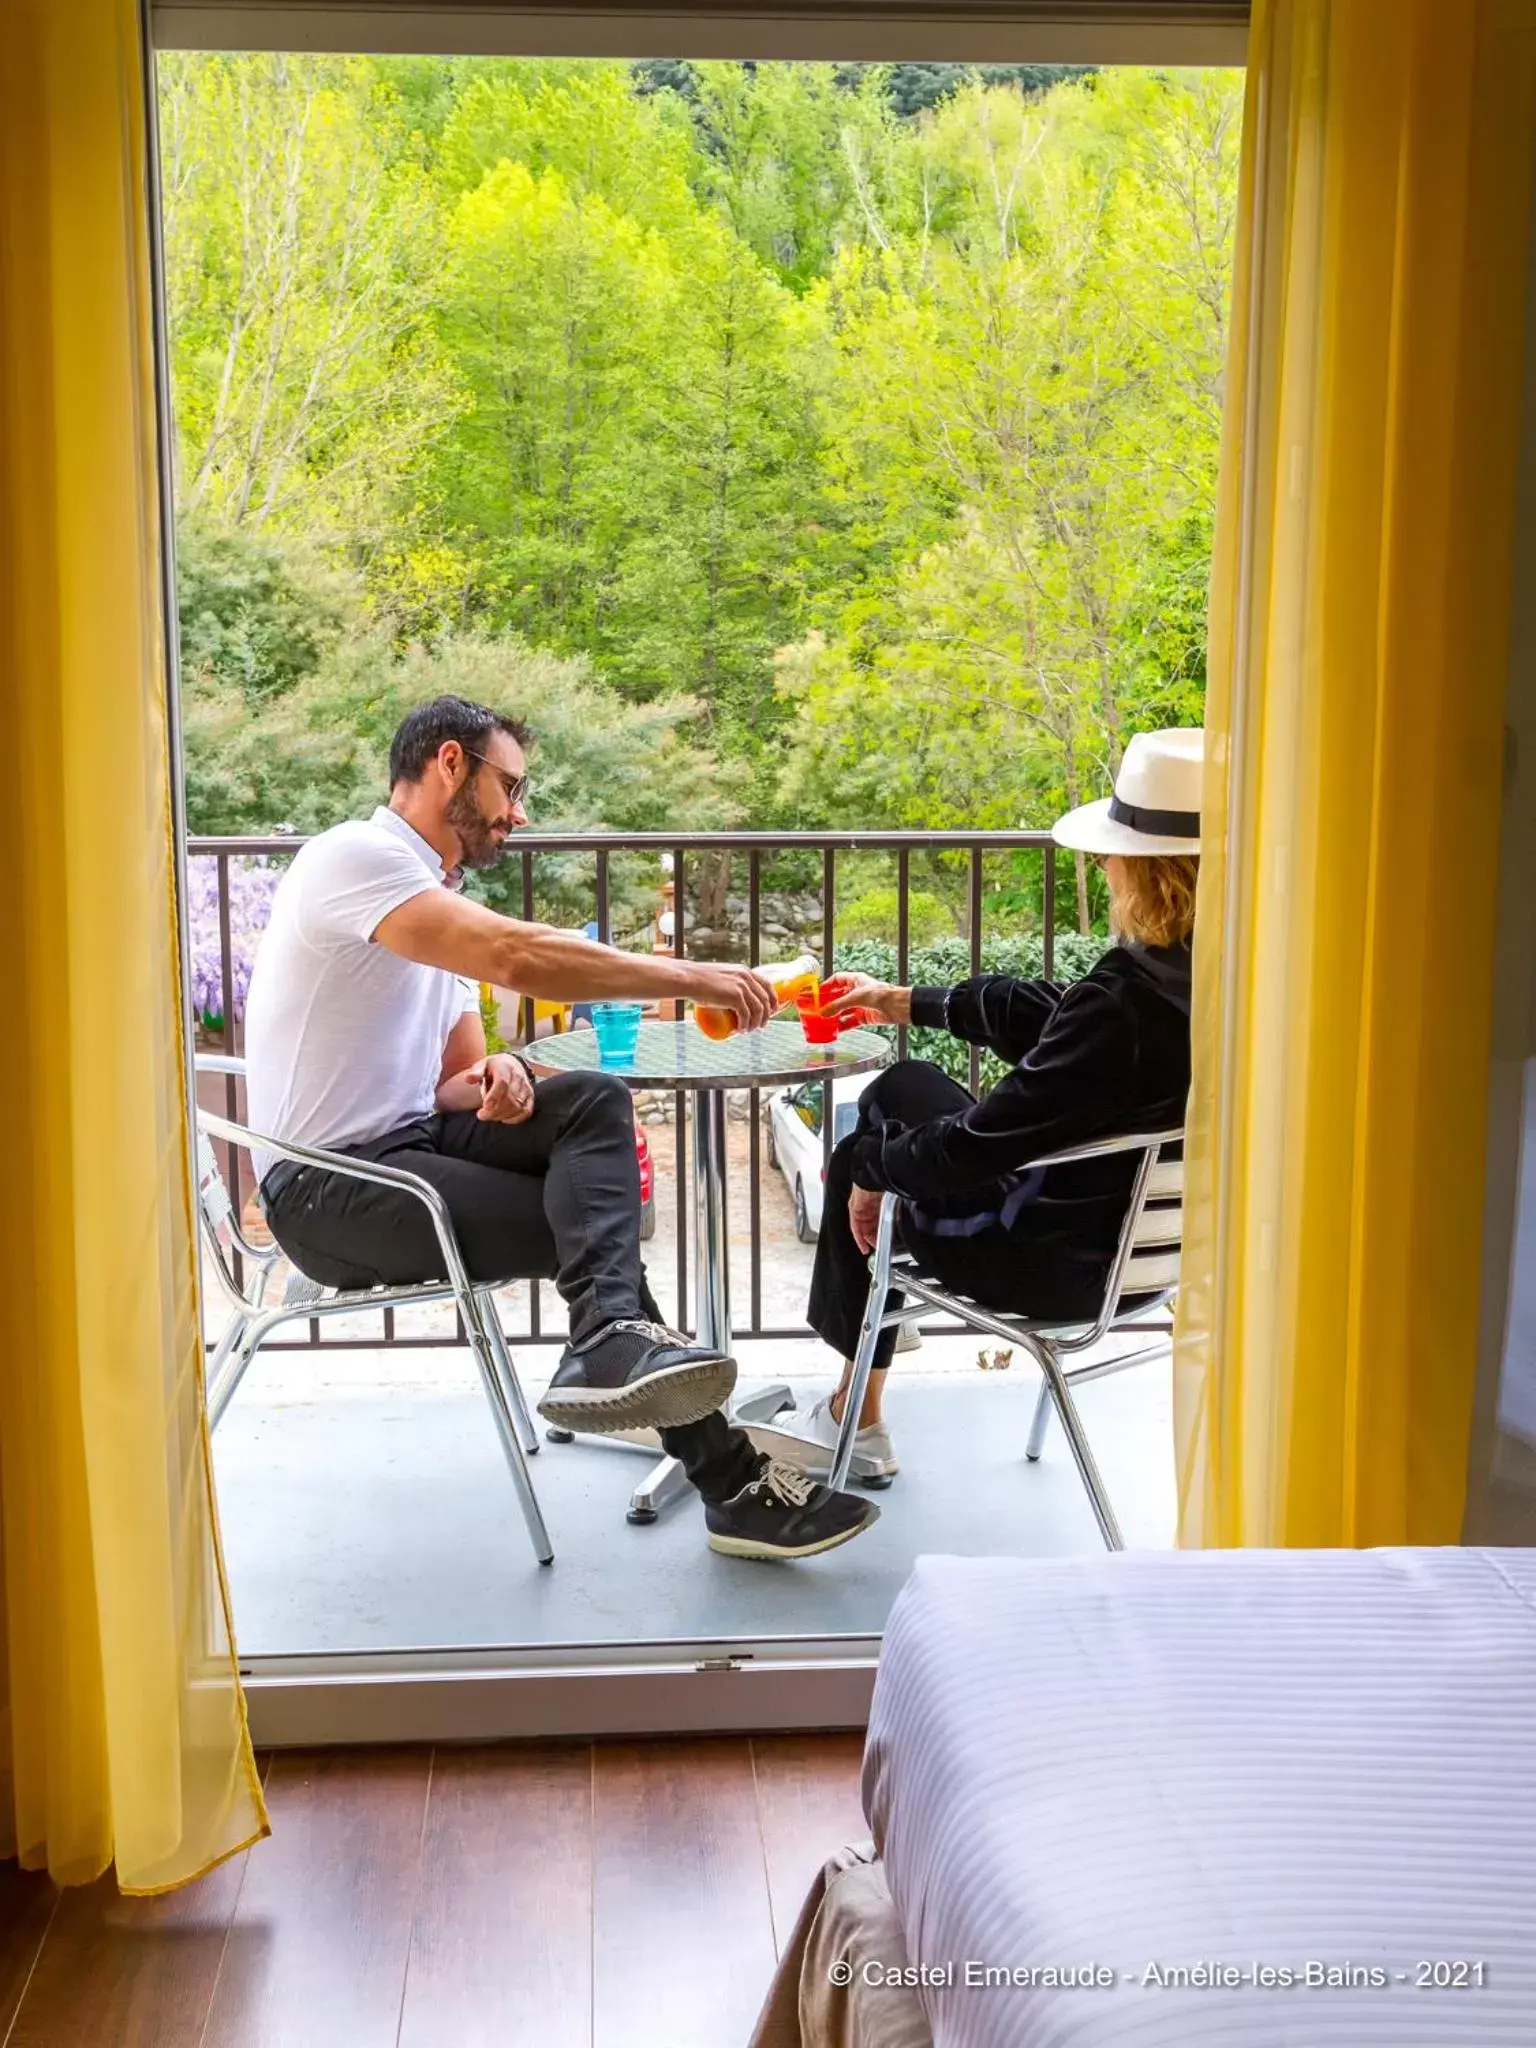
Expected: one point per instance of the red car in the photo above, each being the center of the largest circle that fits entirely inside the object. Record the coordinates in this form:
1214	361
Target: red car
647	1185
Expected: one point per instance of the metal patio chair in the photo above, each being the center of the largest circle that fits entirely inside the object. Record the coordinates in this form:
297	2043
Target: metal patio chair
1143	1277
253	1316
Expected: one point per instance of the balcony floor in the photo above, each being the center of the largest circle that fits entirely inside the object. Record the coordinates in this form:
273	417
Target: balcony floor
365	1505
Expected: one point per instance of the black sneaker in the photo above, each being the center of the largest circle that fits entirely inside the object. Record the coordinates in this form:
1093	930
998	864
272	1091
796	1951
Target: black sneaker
783	1513
635	1375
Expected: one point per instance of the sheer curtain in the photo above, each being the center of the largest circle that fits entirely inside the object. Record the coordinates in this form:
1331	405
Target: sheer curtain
122	1726
1360	613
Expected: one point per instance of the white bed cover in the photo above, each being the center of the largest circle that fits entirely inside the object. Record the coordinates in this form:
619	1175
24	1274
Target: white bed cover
1220	1760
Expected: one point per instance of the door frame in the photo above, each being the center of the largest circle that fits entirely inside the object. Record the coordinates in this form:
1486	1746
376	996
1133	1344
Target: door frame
677	1687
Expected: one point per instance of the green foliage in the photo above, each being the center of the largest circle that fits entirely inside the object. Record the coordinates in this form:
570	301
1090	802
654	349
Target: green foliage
318	752
582	121
300	234
1038	398
947	961
782	149
253	614
844	436
915	88
876	910
490	1018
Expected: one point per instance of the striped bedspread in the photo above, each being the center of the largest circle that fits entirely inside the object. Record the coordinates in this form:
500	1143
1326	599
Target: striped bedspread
1213	1799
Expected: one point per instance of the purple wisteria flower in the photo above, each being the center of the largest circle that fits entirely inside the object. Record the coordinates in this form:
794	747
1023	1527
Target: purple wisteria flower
252	885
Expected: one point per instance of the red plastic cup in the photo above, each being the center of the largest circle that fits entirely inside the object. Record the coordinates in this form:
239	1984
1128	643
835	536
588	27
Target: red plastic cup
819	1030
831	990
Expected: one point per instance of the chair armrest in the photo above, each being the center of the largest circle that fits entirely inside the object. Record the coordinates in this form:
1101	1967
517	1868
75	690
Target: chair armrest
1103	1148
352	1169
315	1155
219	1062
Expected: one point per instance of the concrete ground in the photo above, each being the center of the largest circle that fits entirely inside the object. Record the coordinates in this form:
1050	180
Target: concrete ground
365	1504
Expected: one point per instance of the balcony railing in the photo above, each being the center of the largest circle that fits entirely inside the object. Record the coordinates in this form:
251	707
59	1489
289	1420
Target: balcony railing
814	852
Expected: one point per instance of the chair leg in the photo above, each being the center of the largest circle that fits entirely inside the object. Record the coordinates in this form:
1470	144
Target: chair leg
225	1370
1077	1438
869	1336
511	1378
504	1406
1038	1427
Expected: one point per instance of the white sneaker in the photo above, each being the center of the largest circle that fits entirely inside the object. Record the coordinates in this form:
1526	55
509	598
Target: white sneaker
808	1440
909	1337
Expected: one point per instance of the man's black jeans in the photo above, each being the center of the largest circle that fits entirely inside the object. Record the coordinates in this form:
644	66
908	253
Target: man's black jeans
557	1197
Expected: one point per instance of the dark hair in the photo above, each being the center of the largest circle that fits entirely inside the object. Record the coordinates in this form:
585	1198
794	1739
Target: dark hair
430	726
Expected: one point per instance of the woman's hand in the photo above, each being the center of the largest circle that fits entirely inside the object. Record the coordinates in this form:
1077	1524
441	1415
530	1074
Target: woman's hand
864	1217
506	1089
844	992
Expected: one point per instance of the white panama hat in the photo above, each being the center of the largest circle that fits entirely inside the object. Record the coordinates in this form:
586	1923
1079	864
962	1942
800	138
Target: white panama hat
1156	804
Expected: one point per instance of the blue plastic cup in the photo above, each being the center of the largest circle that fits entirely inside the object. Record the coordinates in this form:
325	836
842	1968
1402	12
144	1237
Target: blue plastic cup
618	1033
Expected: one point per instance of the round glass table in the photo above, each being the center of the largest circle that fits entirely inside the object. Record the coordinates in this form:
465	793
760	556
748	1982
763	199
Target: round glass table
678	1055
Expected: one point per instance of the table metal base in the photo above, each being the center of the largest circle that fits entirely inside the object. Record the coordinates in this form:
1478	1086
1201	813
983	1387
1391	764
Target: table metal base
675	1055
667	1481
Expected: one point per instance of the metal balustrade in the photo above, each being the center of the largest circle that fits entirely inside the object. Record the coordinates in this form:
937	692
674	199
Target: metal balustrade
597	851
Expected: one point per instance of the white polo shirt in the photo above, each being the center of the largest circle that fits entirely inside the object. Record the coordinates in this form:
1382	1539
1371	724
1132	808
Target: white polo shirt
343	1039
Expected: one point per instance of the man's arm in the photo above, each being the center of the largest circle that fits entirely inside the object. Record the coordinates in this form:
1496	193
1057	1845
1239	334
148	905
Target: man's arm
464	1051
497	1086
440	929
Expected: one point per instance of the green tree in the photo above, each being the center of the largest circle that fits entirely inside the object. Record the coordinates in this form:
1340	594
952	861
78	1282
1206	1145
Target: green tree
639	461
300	238
1045	381
255	614
709	581
915	88
317	753
583	120
869	413
787	156
555	309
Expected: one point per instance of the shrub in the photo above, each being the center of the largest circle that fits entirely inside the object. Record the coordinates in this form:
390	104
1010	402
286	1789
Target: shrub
874	912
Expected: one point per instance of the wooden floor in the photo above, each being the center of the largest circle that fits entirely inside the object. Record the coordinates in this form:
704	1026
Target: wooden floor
626	1895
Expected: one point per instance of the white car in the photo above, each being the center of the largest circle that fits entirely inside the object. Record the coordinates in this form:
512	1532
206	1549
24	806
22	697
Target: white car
795	1143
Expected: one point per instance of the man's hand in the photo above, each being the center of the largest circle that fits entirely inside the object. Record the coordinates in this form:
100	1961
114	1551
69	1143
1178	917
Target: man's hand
863	992
864	1216
742	990
506	1092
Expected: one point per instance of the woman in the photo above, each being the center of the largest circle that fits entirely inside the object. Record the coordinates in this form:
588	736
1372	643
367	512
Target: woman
1107	1056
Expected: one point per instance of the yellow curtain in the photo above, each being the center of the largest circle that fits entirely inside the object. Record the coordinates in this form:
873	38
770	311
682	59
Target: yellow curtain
1360	605
122	1726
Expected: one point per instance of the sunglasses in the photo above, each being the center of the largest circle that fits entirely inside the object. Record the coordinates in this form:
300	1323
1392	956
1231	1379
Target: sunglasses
516	786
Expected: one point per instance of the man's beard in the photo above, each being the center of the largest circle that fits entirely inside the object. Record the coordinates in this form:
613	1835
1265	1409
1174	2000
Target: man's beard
478	849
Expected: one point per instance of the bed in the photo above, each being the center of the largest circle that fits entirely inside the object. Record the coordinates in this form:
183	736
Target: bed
1280	1798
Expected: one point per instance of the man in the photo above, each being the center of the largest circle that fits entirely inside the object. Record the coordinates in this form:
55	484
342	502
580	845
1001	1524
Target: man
363	1035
